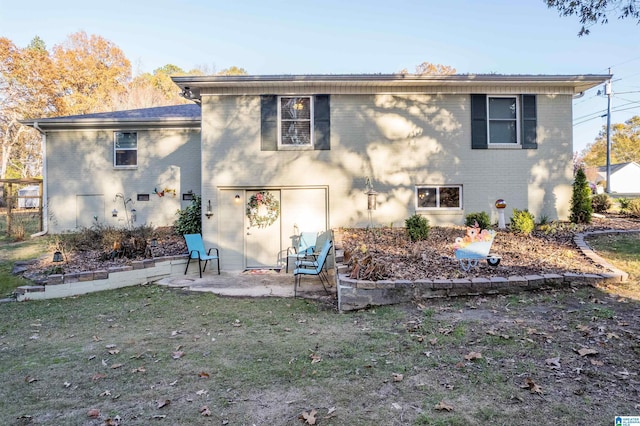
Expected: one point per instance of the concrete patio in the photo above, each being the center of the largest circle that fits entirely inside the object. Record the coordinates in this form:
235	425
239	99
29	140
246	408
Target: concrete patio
255	283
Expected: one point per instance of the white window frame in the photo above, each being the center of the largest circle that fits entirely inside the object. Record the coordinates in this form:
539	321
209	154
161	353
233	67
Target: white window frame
115	137
437	189
308	146
518	143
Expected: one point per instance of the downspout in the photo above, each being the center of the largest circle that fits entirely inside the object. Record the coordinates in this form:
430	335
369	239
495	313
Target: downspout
45	205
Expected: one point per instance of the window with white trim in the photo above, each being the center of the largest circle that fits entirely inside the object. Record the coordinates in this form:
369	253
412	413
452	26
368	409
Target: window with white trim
125	149
295	122
443	197
504	120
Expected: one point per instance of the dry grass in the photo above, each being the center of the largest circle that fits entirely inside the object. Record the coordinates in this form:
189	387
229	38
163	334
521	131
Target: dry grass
126	353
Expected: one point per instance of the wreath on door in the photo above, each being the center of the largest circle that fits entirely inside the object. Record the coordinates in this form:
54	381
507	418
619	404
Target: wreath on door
262	209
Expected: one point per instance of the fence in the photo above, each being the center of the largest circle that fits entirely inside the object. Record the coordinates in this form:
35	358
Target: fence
23	211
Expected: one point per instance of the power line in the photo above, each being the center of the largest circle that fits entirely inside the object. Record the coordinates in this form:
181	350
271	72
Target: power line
622	63
618	109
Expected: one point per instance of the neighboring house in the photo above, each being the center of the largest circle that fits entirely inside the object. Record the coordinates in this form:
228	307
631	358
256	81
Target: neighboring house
440	146
625	178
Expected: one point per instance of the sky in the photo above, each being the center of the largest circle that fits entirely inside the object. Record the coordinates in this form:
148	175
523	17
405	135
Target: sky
353	37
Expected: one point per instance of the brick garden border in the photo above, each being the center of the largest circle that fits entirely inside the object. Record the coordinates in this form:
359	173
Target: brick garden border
359	294
352	294
139	272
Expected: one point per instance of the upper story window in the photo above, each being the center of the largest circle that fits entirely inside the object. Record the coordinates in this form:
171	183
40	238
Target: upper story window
439	197
504	123
295	122
295	118
125	148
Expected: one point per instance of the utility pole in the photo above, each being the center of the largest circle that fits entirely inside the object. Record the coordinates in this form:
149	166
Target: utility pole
607	91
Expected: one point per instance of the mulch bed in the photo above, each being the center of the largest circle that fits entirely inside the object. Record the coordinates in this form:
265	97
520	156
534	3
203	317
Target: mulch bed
387	253
550	249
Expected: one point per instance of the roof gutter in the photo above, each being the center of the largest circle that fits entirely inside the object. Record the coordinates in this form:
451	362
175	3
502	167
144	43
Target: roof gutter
45	204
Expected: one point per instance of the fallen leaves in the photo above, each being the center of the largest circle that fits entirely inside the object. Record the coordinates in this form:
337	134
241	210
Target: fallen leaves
473	355
161	403
532	386
93	413
177	354
315	358
397	377
553	363
309	417
587	351
205	412
443	406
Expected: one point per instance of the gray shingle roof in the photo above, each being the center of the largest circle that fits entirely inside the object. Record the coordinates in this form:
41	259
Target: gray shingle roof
157	115
172	111
614	167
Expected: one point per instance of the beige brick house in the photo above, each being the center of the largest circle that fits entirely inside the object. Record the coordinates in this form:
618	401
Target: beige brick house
441	146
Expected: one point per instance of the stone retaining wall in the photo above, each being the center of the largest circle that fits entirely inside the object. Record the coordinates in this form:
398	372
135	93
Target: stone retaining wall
65	285
358	294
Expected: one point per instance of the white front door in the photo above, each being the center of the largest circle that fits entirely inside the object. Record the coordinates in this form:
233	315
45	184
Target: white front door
262	241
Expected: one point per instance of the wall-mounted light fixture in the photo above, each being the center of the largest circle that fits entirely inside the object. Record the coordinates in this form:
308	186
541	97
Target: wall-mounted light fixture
236	199
209	212
114	213
134	216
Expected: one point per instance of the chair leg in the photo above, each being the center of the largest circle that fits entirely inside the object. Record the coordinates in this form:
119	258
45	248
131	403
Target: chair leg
199	268
187	268
218	260
205	265
296	282
323	278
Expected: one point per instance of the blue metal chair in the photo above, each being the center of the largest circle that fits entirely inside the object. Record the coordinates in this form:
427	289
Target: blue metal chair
305	247
313	267
195	245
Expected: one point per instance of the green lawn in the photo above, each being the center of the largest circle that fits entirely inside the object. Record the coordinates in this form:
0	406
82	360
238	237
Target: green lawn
149	354
622	250
12	252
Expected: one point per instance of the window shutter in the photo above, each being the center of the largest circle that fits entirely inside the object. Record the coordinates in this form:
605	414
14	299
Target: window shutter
321	123
478	121
529	134
269	123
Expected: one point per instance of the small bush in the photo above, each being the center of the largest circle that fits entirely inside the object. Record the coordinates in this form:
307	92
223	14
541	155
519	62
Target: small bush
417	227
634	207
544	219
581	209
132	242
556	227
624	204
522	222
190	218
601	203
481	217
